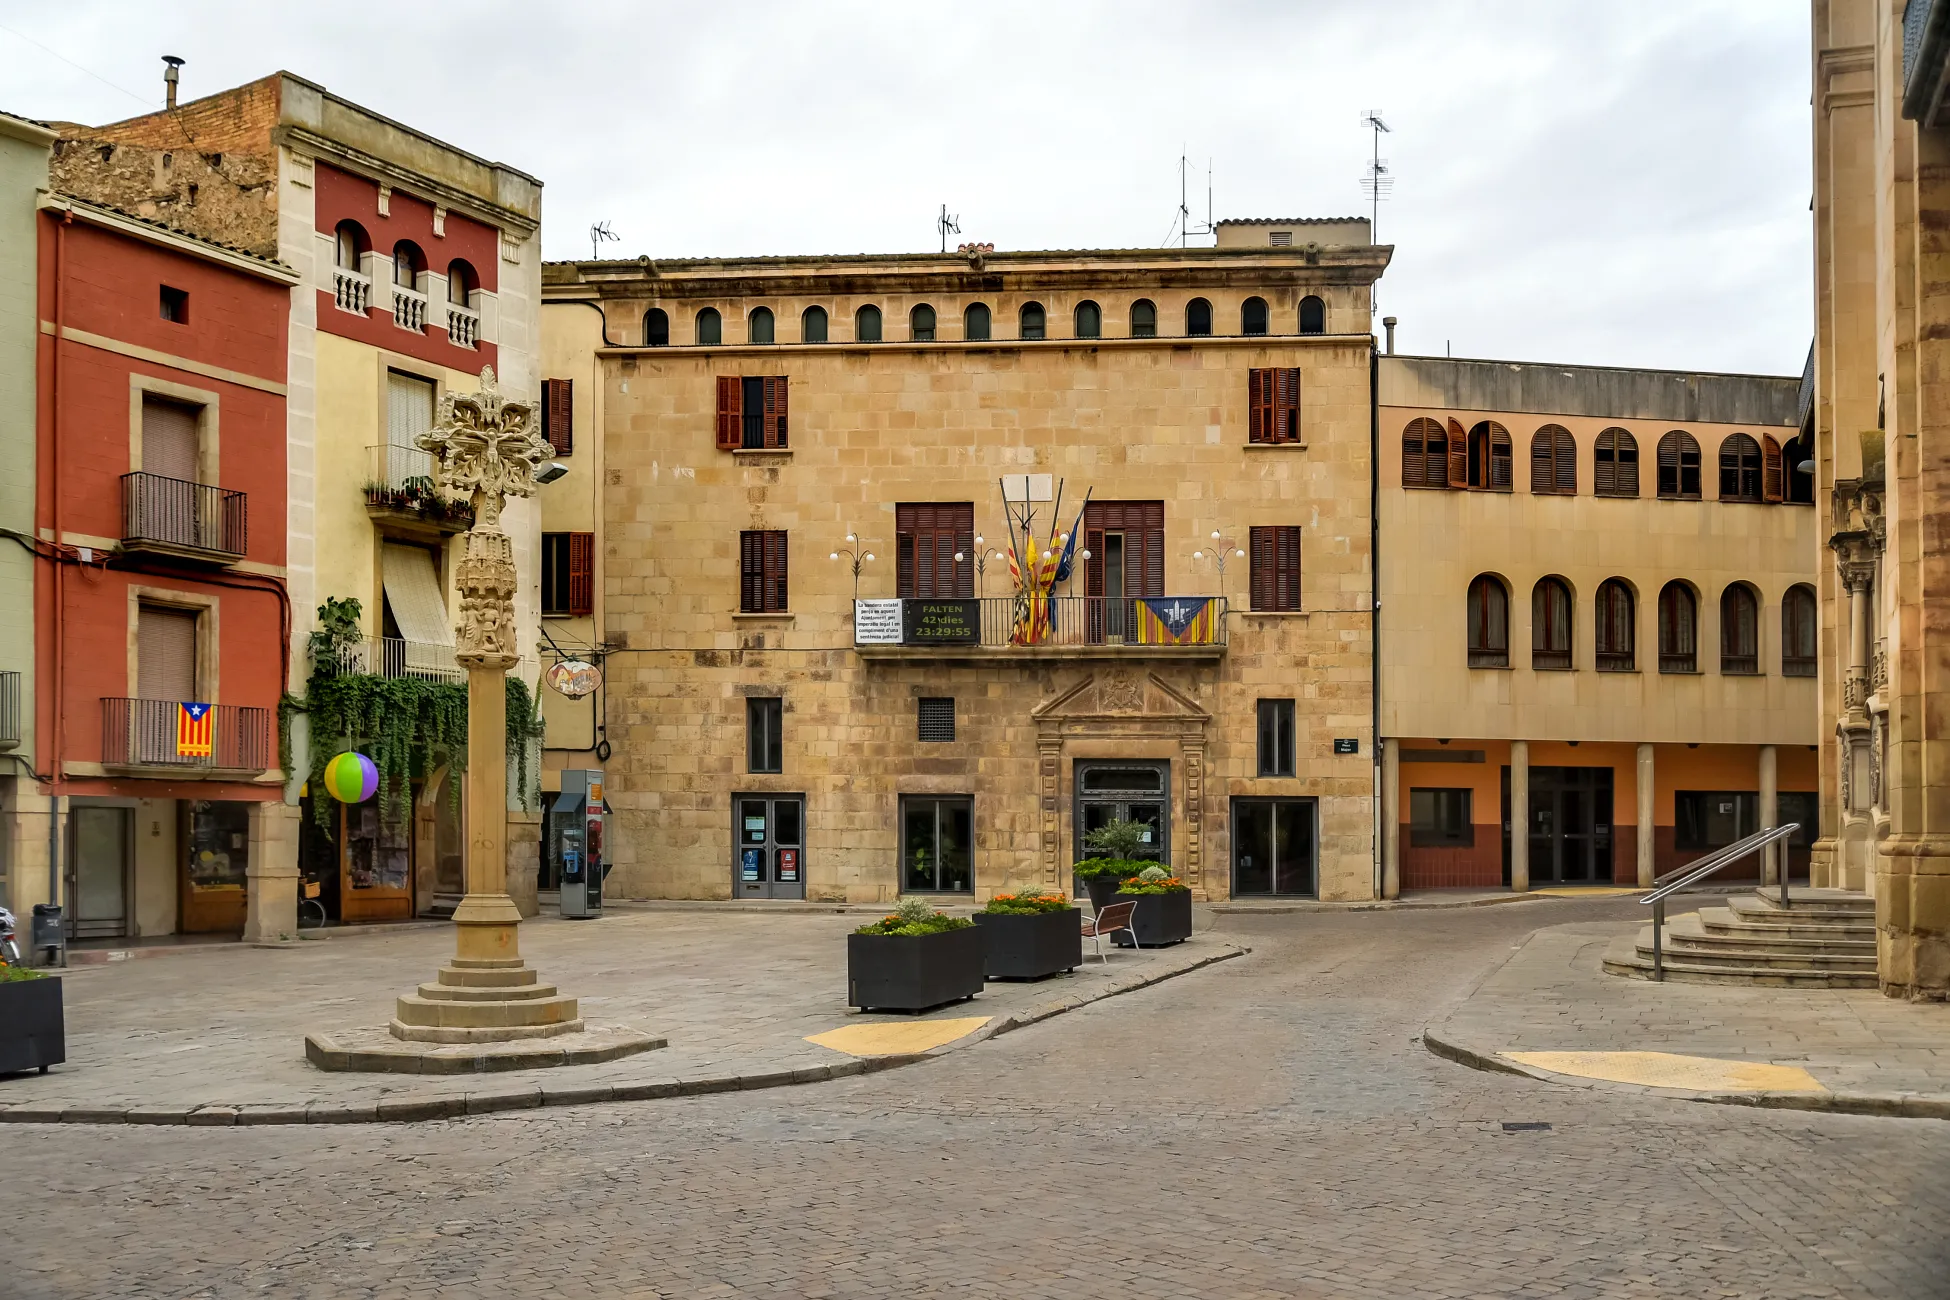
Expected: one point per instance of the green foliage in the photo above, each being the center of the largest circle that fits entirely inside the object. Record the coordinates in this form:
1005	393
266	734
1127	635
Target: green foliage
915	917
1122	839
1026	904
1153	874
19	974
524	725
1096	868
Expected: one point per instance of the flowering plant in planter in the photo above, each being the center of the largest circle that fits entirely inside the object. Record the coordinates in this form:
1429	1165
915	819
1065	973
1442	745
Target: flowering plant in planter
1164	909
1021	904
914	958
1154	880
915	917
1031	936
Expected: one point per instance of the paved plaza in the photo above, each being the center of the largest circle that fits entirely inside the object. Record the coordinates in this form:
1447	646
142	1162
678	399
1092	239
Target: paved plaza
1267	1126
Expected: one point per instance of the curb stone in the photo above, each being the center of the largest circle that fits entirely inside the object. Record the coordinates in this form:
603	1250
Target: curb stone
410	1109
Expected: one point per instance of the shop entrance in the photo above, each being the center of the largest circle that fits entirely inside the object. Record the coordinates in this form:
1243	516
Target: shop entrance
1273	847
1570	826
1108	791
769	837
216	856
101	860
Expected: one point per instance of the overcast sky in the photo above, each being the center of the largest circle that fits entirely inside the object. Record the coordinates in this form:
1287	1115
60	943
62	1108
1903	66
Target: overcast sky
1620	182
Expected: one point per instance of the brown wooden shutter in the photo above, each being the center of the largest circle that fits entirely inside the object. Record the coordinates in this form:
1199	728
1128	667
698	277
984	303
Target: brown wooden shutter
731	412
775	411
775	585
1262	549
558	415
1286	405
751	572
1604	464
1153	583
1772	478
1542	448
169	439
1500	470
1626	453
907	541
1566	449
582	573
165	654
1287	561
1458	454
1259	401
1414	454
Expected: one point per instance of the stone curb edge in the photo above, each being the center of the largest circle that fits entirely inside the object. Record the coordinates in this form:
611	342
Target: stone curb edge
412	1109
1887	1105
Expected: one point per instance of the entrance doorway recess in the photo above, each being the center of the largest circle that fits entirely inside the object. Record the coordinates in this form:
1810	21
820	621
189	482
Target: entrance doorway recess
101	844
1108	791
768	835
1570	826
1273	847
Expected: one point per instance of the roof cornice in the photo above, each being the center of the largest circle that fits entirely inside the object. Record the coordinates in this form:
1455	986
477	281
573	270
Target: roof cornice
167	237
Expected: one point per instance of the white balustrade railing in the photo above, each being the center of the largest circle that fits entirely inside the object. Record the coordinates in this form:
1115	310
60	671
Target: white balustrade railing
409	309
463	326
351	290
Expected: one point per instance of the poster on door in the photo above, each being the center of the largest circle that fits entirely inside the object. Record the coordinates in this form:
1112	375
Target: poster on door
788	865
752	865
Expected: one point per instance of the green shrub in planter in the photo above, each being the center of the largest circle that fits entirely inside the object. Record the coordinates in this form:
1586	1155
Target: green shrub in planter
1100	877
1031	936
1164	909
33	1033
912	959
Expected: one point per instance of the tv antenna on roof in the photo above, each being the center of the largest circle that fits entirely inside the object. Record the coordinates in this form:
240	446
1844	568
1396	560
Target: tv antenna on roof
1379	180
947	225
1185	230
598	234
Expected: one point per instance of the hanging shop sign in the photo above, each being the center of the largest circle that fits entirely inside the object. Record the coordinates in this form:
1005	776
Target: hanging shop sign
573	678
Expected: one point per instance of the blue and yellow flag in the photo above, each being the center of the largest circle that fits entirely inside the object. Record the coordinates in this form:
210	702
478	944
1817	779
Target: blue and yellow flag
193	730
1175	620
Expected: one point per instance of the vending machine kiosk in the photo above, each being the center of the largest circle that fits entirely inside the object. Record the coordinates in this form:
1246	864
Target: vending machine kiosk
575	842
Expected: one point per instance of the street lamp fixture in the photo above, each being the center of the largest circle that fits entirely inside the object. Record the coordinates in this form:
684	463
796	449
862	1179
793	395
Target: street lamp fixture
1223	549
857	555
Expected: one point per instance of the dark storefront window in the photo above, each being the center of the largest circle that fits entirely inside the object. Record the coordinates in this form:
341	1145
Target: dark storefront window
937	845
1440	819
1713	819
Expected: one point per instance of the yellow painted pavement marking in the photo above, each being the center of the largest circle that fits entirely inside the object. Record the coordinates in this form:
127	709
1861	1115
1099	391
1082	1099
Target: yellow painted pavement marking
1666	1070
1586	891
897	1038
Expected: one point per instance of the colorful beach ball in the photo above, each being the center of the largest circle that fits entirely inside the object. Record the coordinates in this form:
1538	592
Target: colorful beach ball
351	777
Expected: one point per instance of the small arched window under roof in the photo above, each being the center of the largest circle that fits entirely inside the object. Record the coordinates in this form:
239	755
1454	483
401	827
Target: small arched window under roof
1740	468
975	321
409	264
1252	316
866	324
920	324
656	328
461	283
348	242
1144	319
758	325
1032	322
812	325
1313	315
1198	318
1615	464
1679	468
710	327
1089	320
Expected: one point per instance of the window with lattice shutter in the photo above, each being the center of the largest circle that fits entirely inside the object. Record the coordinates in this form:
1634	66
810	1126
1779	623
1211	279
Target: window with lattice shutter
558	415
1678	465
731	412
1772	476
1275	556
775	411
1615	464
168	439
1273	401
1458	455
165	654
775	586
582	573
1501	475
1259	406
1425	454
1260	549
927	537
1553	461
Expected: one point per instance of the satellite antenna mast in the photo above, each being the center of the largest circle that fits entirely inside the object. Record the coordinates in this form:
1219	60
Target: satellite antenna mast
598	235
947	225
1379	181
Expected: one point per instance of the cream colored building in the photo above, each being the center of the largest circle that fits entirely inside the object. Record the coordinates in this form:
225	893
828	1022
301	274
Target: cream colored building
742	421
1597	620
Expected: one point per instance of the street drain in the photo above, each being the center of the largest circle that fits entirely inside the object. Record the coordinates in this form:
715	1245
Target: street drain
1526	1126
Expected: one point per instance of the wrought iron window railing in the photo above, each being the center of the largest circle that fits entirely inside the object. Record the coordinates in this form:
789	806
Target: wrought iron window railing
1001	622
174	512
152	733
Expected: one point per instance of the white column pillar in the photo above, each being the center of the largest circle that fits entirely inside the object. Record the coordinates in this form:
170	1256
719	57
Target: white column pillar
1520	815
1770	859
1391	819
1648	860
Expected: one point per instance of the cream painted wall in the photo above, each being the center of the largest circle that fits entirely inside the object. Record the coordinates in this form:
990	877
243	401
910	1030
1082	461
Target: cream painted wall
158	845
571	333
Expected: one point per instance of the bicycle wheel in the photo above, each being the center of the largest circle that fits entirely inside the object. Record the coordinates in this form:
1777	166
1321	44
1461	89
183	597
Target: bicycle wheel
311	914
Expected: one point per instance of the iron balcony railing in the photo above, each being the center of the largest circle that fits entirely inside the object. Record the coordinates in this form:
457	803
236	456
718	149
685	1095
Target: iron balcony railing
155	733
393	657
175	513
1186	622
9	710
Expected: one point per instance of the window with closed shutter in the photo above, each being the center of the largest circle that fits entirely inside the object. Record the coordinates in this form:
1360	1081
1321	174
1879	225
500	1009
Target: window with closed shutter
1740	468
1275	556
1553	462
927	537
558	415
762	571
1425	454
169	438
568	573
165	653
1615	464
1273	405
1679	467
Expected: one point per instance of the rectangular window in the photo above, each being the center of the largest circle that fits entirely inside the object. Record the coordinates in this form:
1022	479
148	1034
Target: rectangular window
1275	558
1273	405
936	718
1439	819
937	844
751	412
568	573
1279	238
169	438
1276	737
558	415
927	538
1713	819
176	305
764	725
761	562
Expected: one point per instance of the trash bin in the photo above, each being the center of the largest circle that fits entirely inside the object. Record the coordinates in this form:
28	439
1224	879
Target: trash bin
50	933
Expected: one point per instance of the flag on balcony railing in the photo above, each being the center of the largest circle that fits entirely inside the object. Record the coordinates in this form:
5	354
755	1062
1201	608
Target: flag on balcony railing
1175	620
193	730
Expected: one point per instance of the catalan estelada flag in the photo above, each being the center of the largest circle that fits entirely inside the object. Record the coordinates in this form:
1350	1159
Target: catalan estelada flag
193	730
1175	620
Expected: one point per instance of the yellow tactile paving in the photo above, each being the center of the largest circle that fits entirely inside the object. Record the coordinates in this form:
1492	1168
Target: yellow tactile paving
897	1038
1666	1070
1585	891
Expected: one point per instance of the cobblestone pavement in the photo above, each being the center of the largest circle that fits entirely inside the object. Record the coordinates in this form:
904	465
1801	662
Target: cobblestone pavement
1270	1127
1870	1052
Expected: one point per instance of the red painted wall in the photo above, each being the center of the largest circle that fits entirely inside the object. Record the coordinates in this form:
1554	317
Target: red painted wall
342	196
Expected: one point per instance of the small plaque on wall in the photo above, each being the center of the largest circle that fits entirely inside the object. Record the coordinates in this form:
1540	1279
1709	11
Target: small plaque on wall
876	622
1346	745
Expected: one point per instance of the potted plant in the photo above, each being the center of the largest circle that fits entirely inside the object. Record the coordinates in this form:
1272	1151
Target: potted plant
1030	936
32	1032
1164	909
913	959
1120	850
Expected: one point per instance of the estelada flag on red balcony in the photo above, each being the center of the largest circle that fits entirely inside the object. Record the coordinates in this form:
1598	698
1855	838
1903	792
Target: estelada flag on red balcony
193	730
1175	620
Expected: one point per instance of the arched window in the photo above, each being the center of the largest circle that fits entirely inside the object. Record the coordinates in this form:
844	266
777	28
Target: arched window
1425	454
710	327
1489	623
1198	318
1090	320
975	321
1313	315
409	264
1617	633
348	241
1739	468
1553	462
1739	631
1615	464
1489	456
656	328
1032	322
1798	627
920	324
1252	316
1678	467
1144	319
866	324
758	326
1773	477
1550	625
461	283
1678	629
812	325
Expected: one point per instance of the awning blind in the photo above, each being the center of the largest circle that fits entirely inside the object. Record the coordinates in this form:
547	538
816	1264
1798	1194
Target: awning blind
413	593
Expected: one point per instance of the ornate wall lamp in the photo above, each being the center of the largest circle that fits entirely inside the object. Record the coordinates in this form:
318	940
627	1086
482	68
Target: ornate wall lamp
857	553
1223	549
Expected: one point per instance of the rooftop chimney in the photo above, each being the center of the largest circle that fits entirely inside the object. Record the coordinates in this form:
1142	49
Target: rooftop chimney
170	64
1388	323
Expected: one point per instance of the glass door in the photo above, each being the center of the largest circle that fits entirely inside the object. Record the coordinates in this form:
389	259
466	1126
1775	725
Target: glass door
1137	792
100	842
768	846
1273	847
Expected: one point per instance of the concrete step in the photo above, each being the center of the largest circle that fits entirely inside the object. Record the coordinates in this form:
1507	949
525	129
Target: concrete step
1724	925
1624	958
1819	902
1749	912
490	993
1688	940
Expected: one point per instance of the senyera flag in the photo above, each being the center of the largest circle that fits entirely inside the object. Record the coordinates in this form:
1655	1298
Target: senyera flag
193	730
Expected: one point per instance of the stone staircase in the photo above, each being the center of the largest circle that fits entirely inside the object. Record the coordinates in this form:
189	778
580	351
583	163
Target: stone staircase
1825	940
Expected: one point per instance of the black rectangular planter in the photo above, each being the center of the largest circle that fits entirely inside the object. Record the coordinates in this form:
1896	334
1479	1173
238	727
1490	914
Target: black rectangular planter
1101	889
912	972
1159	919
32	1032
1031	945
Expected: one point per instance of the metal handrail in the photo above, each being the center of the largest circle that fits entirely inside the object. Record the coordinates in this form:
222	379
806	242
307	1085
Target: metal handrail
1692	871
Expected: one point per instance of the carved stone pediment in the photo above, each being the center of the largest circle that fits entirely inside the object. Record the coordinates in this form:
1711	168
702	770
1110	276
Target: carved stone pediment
1121	691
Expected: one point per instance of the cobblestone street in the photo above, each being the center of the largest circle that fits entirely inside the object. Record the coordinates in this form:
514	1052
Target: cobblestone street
1266	1127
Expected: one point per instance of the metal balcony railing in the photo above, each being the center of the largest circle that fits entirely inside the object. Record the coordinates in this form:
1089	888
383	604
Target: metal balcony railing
153	733
463	326
9	710
177	514
351	290
1187	622
393	657
409	309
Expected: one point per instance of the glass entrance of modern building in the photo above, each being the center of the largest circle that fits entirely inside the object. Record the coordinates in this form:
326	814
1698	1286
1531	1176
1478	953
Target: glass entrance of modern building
1108	791
1273	846
768	846
1570	825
